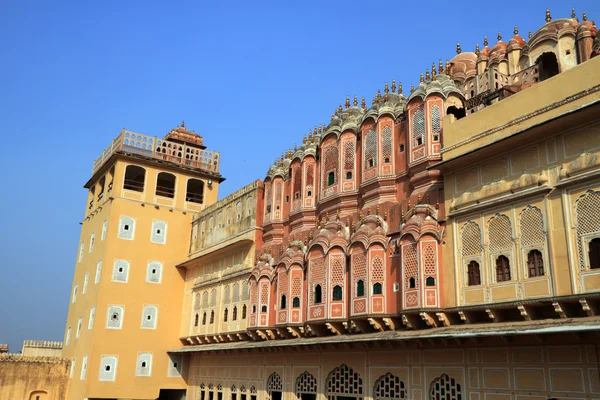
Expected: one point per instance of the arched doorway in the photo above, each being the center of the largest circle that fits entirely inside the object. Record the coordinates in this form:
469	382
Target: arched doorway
274	386
306	386
343	383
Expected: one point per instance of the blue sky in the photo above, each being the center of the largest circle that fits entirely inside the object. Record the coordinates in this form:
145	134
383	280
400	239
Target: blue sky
251	77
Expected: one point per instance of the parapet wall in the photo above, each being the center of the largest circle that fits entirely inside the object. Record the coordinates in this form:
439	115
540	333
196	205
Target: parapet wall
42	348
21	376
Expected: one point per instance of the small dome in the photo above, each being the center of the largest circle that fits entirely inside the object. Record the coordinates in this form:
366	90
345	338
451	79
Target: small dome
498	52
554	30
517	42
463	66
586	29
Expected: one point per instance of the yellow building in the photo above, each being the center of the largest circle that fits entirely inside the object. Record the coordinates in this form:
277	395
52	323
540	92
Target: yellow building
127	296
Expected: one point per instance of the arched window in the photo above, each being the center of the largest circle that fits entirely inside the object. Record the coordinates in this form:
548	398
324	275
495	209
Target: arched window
418	125
430	281
244	311
234	316
594	253
196	320
195	191
445	388
535	263
474	274
134	178
330	178
318	294
254	309
360	288
225	314
263	309
212	317
412	283
502	269
283	302
377	288
204	319
548	65
165	185
349	175
389	387
296	302
337	293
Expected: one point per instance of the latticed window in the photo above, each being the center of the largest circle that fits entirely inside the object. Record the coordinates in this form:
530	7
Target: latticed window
360	288
274	384
306	384
532	227
588	222
500	233
330	162
474	273
436	124
337	293
594	253
370	149
377	288
502	269
471	239
535	263
344	381
445	388
386	143
418	125
349	159
389	386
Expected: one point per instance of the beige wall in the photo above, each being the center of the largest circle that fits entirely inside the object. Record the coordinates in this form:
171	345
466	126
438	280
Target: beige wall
23	377
499	372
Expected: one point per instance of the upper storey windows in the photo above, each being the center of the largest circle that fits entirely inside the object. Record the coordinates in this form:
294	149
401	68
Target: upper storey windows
134	178
370	150
418	127
165	185
195	191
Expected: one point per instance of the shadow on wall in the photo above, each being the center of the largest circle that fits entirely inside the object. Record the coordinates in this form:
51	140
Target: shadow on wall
171	394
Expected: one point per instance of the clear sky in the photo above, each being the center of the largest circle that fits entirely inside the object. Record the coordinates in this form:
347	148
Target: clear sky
252	77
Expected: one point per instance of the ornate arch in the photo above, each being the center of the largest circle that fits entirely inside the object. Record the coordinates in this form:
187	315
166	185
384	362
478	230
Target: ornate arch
274	383
389	386
344	381
445	387
306	383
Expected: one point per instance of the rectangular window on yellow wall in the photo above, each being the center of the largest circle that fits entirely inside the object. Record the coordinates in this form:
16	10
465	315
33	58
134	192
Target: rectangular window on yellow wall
92	237
81	247
98	271
104	226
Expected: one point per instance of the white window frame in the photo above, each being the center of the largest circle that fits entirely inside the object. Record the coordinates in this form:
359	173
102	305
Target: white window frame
79	323
98	272
92	238
74	297
85	283
104	229
92	316
83	368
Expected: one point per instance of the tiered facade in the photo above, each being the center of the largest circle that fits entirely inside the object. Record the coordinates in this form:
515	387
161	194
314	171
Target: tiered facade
443	244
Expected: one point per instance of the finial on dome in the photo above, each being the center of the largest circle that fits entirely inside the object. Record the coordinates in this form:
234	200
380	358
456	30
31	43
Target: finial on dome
355	103
339	109
447	67
499	37
347	102
378	95
485	41
422	79
386	90
584	16
182	123
441	67
433	71
477	49
315	131
332	116
304	140
548	16
412	87
516	31
393	85
458	50
573	15
363	104
427	77
529	35
295	147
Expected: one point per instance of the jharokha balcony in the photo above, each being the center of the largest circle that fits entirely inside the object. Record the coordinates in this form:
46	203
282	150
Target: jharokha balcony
180	146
